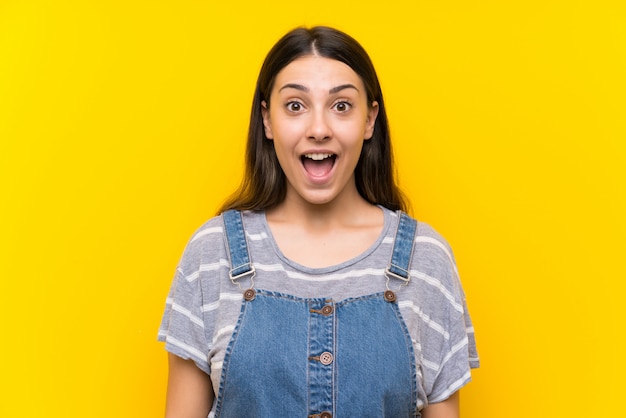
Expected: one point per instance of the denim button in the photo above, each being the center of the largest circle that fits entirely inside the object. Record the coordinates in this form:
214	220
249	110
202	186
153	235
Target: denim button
326	415
249	294
327	310
390	296
326	358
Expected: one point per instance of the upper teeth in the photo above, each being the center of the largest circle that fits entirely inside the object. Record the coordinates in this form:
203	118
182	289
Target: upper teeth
317	156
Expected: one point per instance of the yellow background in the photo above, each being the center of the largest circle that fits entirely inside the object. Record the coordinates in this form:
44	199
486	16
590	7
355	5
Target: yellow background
122	126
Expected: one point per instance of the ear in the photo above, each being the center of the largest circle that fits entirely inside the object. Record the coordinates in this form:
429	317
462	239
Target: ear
267	124
372	113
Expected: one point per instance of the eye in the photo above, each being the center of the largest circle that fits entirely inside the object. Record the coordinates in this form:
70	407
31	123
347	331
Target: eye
342	106
294	106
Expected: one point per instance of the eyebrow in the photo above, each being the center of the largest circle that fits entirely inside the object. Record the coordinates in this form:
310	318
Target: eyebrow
306	89
342	87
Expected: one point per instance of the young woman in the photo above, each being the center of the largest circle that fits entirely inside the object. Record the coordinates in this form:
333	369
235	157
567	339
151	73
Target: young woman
312	293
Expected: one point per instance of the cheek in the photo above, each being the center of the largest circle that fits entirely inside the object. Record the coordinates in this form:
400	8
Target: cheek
354	130
286	130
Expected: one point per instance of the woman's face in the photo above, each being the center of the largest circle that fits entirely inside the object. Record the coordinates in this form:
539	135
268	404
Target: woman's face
318	118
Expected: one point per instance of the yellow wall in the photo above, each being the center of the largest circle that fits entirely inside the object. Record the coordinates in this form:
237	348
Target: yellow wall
122	126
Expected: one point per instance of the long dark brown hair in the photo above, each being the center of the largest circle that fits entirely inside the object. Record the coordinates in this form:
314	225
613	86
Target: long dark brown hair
264	184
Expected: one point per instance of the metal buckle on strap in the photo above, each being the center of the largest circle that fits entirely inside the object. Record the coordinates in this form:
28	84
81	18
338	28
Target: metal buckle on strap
389	274
250	271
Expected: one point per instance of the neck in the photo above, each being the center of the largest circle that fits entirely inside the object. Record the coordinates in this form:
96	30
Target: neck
325	235
347	211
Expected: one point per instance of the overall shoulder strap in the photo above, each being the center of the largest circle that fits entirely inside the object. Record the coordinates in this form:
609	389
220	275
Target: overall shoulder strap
240	264
402	248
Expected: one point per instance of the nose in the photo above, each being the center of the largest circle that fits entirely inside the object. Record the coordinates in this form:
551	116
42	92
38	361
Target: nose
319	128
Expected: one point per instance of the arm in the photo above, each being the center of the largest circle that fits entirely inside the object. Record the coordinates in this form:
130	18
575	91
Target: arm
189	390
446	409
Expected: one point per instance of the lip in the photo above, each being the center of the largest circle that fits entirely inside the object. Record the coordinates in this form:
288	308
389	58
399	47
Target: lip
318	151
319	180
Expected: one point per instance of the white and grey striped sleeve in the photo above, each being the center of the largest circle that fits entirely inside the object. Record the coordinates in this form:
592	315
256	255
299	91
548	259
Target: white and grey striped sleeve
182	327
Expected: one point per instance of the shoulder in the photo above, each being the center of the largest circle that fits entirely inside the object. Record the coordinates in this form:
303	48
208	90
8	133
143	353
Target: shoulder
434	266
214	228
208	242
205	245
429	240
207	232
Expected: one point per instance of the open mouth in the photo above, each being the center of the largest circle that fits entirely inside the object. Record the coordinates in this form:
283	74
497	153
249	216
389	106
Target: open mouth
318	164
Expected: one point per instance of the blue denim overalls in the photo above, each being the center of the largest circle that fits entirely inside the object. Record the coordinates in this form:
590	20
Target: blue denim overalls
318	358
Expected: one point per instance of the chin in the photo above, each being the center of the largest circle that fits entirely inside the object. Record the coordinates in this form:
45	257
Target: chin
317	199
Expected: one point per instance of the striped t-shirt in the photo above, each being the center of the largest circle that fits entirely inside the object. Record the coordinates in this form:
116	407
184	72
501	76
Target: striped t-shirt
203	304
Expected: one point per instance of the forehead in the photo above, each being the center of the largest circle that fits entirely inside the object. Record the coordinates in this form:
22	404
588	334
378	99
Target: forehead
315	71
